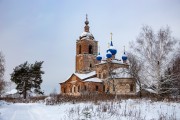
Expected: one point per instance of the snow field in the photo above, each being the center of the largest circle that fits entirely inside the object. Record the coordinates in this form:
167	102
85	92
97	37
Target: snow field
113	110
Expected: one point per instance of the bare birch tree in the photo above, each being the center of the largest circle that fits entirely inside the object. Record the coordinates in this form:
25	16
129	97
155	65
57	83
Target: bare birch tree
153	50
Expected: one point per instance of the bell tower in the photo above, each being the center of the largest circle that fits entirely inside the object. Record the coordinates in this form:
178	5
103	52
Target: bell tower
86	51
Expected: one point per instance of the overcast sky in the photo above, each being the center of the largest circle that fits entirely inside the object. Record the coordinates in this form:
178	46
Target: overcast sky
41	30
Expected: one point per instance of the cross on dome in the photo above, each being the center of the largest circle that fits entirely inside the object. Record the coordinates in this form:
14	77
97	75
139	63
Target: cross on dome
86	22
111	36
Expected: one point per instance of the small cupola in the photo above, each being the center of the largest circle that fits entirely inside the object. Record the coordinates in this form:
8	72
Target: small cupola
124	56
112	49
108	54
99	57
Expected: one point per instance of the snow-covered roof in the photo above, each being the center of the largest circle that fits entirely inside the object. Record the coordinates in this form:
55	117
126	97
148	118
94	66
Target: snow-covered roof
86	35
112	61
121	73
84	76
150	90
93	80
117	61
13	91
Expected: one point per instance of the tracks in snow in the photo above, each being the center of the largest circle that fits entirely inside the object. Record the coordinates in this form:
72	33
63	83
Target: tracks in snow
26	112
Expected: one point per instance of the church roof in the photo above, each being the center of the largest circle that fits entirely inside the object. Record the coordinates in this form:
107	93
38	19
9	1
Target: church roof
112	61
86	35
13	91
84	76
95	79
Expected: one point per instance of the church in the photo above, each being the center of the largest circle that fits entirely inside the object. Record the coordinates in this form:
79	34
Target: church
94	75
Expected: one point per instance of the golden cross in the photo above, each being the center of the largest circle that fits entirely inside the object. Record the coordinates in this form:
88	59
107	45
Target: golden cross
111	35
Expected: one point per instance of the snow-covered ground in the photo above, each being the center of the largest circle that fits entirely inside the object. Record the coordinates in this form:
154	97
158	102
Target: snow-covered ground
119	110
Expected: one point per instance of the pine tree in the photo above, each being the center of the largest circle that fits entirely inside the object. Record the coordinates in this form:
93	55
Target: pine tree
28	77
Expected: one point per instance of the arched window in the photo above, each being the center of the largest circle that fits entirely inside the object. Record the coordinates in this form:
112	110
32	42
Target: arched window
71	90
90	49
100	75
104	75
78	88
64	90
79	49
104	88
131	87
90	65
96	88
85	88
74	89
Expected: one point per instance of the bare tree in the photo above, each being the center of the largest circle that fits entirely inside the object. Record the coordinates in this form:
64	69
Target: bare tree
173	73
2	70
115	73
110	80
53	93
153	50
135	71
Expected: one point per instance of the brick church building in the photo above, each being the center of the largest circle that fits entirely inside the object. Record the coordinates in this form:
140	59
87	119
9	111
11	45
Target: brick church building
95	75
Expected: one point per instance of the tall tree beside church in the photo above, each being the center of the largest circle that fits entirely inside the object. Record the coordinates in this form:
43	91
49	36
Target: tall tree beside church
2	70
28	77
153	50
135	71
173	73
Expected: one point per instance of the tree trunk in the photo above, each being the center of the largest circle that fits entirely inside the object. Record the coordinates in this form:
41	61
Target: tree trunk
24	94
25	90
140	89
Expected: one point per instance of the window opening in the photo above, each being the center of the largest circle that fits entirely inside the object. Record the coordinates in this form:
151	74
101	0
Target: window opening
131	87
96	88
74	89
80	49
85	88
90	49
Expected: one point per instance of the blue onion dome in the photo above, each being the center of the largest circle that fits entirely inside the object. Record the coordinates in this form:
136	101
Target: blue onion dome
124	57
112	49
108	54
99	57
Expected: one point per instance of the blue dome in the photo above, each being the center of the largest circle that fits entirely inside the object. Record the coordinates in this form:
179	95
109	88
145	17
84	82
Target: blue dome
108	54
99	57
112	49
124	57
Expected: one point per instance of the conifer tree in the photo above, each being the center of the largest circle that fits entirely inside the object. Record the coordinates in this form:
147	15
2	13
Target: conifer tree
2	70
27	77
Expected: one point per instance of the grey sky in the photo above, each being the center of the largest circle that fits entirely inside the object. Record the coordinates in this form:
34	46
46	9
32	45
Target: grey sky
41	30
